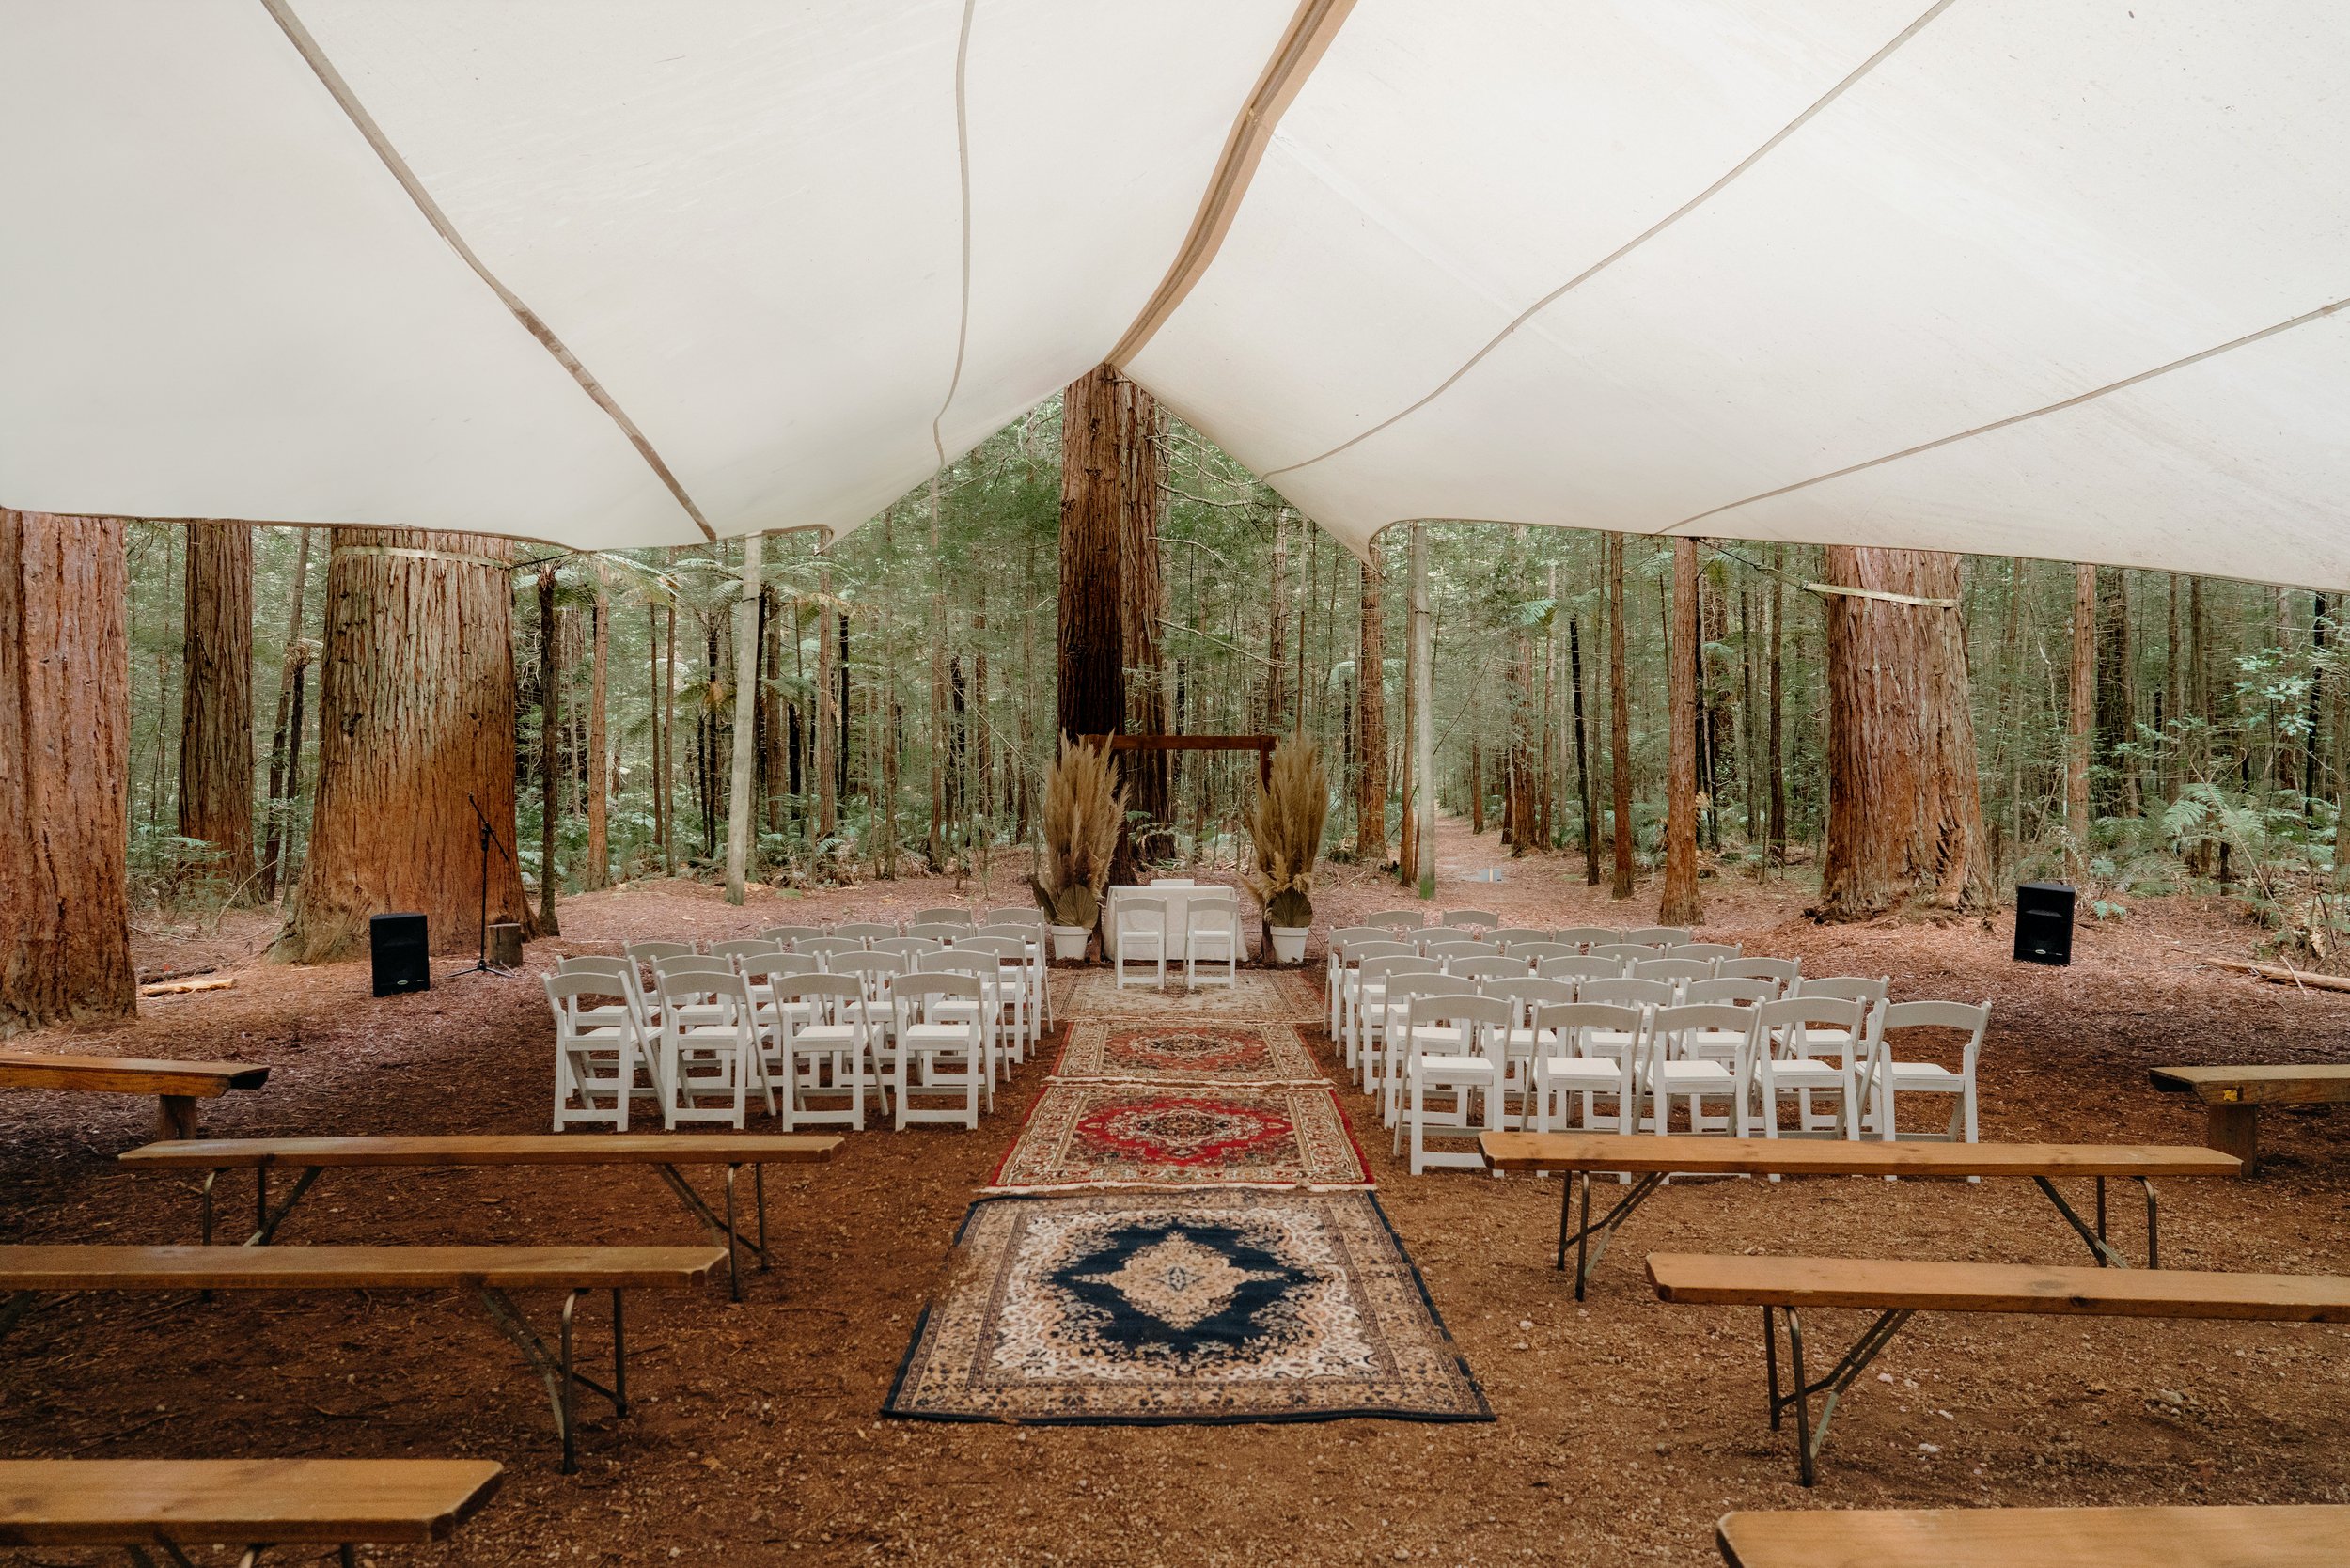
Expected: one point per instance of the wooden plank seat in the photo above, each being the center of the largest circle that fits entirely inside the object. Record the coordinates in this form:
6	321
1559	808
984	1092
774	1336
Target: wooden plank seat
172	1504
176	1085
488	1272
2232	1098
2310	1535
663	1151
1894	1289
1654	1159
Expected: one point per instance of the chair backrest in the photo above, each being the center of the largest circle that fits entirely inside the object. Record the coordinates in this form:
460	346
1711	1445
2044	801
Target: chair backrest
1376	970
652	952
1587	936
1007	930
686	967
1783	972
1003	949
950	915
911	992
1857	987
1965	1017
1660	936
1434	938
744	947
1212	914
818	988
1410	988
1574	1021
1542	952
1344	935
1011	914
944	933
825	948
908	946
874	969
1579	969
1483	966
1525	991
788	935
566	991
1483	920
765	969
957	960
687	979
1512	937
1626	992
1397	920
1363	949
1460	947
1733	988
1667	1024
865	931
1142	913
1172	882
1626	952
1674	969
597	964
1790	1020
1704	949
1470	1013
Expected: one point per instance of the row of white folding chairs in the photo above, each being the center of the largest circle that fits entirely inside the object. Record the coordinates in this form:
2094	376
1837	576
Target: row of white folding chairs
1490	923
1023	924
1351	945
1211	930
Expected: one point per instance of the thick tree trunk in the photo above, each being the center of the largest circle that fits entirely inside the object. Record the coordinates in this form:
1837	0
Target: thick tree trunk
1272	707
1904	810
665	703
1779	710
1092	685
550	733
1423	720
1678	903
1371	722
1142	599
65	772
598	871
283	786
415	717
829	716
1585	803
2081	719
216	700
2117	708
1619	724
740	821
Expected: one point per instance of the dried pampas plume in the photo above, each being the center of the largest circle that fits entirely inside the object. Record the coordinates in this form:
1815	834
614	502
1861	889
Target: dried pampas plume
1083	808
1285	823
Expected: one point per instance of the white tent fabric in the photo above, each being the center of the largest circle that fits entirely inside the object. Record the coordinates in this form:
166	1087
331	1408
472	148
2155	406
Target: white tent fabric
2050	277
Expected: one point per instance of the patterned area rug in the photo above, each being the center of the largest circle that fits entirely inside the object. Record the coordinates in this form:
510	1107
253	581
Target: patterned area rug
1188	1053
1212	1307
1258	996
1140	1136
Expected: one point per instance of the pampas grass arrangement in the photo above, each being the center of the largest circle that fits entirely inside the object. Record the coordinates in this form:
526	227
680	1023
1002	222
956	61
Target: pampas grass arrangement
1285	823
1083	808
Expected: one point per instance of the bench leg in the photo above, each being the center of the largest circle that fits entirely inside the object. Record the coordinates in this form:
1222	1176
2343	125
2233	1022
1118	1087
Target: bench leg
265	1219
1587	1254
175	1116
722	1230
2107	1257
2235	1129
1810	1437
558	1370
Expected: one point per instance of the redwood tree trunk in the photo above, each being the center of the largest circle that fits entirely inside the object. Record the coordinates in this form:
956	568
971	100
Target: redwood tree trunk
598	871
1905	812
416	714
65	772
1142	599
283	786
2081	718
1619	724
216	699
1678	903
550	731
1370	714
2117	718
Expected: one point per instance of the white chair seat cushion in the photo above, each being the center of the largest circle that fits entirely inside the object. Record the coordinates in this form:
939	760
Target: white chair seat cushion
933	1035
1924	1075
1803	1074
1525	1040
1681	1077
1580	1070
1454	1067
824	1037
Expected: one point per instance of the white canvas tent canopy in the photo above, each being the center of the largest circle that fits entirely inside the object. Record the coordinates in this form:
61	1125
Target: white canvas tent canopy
2050	277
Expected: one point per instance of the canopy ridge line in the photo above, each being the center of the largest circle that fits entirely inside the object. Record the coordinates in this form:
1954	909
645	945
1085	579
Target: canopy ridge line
963	170
2075	401
1823	589
1819	105
1302	46
458	557
282	12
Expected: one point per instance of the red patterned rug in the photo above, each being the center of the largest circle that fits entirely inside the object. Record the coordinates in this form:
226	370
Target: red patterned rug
1256	996
1084	1134
1188	1053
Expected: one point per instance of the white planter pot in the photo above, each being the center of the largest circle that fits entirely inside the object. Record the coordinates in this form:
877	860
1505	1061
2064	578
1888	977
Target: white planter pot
1069	943
1289	943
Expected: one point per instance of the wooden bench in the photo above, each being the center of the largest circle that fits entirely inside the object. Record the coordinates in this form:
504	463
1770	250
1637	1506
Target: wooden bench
2232	1098
663	1151
488	1272
1894	1289
1652	1159
250	1503
2314	1535
176	1085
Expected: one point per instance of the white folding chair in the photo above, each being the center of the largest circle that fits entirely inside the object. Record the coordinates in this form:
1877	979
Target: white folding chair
1010	986
1884	1075
1580	969
945	914
1521	1044
1805	1047
789	934
1588	937
1403	993
710	1047
1660	936
1368	1022
938	1057
1448	1052
597	1048
1784	973
945	933
1349	958
1397	920
1211	931
1141	922
1625	952
1479	919
908	947
865	932
1334	964
1676	972
1567	1071
1706	949
1853	988
1510	938
1672	1071
824	949
826	1049
651	952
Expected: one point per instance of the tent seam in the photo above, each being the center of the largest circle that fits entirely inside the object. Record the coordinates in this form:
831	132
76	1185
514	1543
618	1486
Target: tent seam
963	164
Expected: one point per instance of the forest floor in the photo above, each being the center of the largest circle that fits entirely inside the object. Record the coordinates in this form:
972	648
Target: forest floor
1624	1427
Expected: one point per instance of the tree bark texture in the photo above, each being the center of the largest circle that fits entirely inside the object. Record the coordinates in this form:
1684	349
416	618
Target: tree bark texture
1904	810
1142	598
1423	720
1778	710
216	699
2081	718
739	823
598	871
2116	793
1370	718
1619	724
1678	903
550	733
829	712
283	787
1585	805
1272	707
1092	685
65	772
415	715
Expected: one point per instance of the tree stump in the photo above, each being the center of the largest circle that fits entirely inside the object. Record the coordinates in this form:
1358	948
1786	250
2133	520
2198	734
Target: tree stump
505	943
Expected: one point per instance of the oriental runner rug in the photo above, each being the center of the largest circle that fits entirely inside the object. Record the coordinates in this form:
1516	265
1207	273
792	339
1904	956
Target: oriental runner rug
1217	1306
1256	996
1089	1134
1186	1052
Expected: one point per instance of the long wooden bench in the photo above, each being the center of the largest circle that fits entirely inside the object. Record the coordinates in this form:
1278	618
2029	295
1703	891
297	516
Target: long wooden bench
176	1085
663	1151
1894	1289
2232	1098
2312	1535
253	1504
488	1272
1654	1159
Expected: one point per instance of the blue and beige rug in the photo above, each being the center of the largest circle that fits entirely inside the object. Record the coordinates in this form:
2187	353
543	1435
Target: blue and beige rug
1140	1309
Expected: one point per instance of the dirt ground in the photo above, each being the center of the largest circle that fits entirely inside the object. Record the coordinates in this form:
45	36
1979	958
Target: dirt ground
1625	1426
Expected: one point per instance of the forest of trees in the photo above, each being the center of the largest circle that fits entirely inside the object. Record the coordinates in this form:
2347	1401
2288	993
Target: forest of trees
293	689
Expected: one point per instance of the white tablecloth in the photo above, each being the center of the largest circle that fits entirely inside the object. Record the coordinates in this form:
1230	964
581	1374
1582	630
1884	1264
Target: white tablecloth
1178	900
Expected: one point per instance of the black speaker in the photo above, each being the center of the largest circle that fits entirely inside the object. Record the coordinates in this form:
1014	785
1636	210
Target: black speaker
2044	924
403	959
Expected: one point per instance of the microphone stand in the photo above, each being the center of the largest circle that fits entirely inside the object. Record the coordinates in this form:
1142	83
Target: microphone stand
489	836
